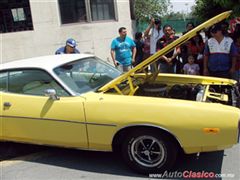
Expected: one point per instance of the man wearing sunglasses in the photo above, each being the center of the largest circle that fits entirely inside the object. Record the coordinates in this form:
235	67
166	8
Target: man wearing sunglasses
219	54
69	48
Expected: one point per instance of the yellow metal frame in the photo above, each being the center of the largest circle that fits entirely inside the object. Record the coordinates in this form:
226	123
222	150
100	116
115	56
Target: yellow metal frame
213	95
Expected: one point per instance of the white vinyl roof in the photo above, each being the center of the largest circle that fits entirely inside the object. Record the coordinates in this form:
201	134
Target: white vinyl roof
44	62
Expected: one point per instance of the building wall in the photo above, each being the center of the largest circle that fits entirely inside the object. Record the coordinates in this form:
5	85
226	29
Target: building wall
49	34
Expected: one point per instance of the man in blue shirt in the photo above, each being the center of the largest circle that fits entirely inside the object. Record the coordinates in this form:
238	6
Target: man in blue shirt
70	48
219	54
123	51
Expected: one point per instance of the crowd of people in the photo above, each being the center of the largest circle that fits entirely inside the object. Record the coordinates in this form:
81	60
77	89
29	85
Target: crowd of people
217	54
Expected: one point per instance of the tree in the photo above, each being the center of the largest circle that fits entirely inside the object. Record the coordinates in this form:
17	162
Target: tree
176	15
206	9
145	9
231	5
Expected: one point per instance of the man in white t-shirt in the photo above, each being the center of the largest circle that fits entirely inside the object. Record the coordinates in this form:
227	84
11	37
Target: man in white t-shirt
155	32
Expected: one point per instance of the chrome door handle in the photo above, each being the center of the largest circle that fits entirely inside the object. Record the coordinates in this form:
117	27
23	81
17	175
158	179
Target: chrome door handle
7	104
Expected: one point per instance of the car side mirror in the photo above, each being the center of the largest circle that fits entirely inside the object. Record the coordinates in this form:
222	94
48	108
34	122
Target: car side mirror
51	93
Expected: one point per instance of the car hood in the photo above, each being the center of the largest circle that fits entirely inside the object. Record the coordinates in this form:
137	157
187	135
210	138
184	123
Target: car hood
165	50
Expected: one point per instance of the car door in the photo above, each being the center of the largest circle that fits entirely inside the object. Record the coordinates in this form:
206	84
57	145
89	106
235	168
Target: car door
3	86
30	116
1	115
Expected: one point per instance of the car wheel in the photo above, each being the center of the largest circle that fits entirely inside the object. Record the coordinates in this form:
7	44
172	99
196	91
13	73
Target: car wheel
148	151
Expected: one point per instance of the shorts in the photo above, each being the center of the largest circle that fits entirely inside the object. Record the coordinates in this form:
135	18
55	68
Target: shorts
123	68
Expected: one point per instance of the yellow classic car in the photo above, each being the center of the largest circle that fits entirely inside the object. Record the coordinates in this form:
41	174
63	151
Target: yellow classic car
80	101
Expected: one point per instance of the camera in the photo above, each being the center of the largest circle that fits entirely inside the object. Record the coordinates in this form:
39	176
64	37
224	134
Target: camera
157	21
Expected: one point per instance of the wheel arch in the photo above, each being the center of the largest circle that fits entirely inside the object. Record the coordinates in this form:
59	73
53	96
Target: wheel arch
123	132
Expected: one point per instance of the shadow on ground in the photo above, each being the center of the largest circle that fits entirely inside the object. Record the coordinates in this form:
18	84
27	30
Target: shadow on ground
10	150
105	162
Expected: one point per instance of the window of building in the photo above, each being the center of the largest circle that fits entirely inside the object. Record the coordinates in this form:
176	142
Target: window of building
18	14
73	11
102	10
15	15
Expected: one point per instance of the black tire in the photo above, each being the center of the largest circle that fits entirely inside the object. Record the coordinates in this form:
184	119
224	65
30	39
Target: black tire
139	156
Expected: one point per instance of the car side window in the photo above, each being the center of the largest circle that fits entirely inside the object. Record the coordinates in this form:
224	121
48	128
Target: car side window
33	82
3	81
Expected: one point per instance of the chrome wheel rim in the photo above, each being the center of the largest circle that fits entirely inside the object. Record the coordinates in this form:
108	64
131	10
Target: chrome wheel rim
148	151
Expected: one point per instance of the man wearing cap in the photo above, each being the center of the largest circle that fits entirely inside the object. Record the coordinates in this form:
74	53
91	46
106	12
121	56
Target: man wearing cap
70	48
219	54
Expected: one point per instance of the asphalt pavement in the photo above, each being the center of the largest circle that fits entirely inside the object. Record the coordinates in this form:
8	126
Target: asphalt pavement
27	162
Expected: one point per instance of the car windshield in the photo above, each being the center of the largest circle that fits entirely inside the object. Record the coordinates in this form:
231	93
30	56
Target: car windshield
86	74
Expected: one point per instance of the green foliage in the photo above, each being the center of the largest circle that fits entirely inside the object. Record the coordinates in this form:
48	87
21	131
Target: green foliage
206	9
230	5
174	15
177	15
145	9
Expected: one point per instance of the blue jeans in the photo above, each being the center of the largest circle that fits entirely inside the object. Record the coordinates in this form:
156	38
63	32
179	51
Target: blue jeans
166	68
236	75
221	74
